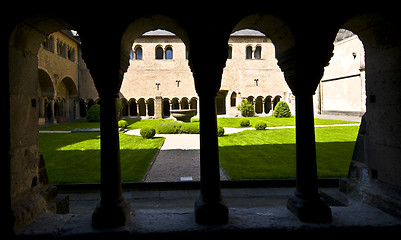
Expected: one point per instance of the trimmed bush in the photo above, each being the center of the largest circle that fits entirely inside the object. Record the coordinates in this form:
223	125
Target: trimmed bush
282	110
246	108
122	124
260	125
220	131
245	122
168	128
148	132
93	114
190	128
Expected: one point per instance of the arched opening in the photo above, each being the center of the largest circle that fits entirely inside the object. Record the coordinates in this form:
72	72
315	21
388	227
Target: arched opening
175	104
184	103
89	103
380	42
133	107
162	37
342	88
194	104
141	107
82	108
166	107
124	107
151	107
268	104
68	91
45	93
276	99
259	105
26	85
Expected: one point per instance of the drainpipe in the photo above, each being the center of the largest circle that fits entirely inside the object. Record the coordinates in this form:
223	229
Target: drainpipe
79	80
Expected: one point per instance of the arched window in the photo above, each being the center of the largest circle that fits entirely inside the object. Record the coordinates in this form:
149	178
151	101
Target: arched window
169	52
230	52
131	55
138	53
233	99
249	52
159	52
258	52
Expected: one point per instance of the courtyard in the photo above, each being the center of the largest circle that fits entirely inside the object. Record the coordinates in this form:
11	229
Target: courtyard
244	154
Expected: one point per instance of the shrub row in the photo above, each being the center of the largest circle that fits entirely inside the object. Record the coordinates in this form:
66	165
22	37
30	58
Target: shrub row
178	128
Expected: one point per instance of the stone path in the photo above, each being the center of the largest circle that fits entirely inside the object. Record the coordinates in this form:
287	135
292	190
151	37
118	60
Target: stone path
178	159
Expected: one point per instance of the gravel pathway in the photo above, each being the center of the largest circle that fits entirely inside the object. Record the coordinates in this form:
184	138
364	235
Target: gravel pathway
178	159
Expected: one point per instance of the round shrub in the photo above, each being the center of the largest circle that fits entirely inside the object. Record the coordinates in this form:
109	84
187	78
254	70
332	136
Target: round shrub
148	132
260	125
122	124
245	122
93	114
282	110
220	131
246	108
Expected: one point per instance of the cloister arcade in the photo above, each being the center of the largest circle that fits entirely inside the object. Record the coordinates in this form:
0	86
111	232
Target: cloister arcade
300	57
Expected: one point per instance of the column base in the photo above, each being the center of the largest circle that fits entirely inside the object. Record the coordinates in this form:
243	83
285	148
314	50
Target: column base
106	216
309	210
211	213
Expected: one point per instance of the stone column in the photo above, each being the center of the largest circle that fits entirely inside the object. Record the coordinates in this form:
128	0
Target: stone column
113	210
158	107
53	118
210	208
306	203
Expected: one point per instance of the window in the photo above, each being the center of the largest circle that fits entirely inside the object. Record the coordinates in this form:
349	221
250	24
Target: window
71	54
159	52
258	52
249	52
131	55
230	52
59	47
138	53
169	52
233	99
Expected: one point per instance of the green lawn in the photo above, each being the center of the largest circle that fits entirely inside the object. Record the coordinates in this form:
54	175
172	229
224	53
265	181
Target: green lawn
270	154
134	123
75	157
273	122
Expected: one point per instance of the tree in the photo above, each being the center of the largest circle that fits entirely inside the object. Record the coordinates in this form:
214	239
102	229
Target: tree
246	108
282	110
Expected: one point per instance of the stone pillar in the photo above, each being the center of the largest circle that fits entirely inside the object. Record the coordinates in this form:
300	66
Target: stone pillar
113	210
210	208
158	107
53	118
306	203
302	72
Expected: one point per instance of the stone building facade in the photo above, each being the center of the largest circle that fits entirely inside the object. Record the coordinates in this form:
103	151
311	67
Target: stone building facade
159	65
342	90
66	89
